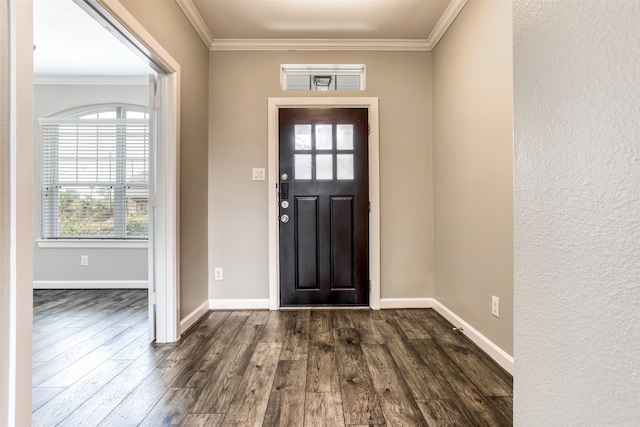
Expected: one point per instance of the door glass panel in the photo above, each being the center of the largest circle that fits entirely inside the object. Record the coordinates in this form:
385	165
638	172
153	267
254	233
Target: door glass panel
324	137
324	166
303	137
345	137
302	166
345	166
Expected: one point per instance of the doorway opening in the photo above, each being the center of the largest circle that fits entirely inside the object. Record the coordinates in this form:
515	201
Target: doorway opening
371	106
158	168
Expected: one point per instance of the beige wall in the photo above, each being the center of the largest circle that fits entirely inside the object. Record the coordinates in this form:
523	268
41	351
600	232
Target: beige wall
473	173
63	264
241	83
167	24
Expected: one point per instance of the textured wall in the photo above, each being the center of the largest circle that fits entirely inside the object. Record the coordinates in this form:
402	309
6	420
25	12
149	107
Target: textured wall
577	210
167	24
241	83
473	168
64	264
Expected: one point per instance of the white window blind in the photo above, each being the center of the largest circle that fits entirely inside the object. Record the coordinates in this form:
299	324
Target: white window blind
95	176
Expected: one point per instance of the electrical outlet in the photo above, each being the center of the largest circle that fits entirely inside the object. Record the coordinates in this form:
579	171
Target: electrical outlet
84	260
217	273
495	306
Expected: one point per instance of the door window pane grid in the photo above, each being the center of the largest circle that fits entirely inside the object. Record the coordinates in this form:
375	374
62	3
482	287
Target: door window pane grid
322	149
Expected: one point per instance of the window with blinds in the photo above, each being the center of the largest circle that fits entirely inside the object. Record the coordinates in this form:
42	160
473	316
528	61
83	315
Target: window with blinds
94	175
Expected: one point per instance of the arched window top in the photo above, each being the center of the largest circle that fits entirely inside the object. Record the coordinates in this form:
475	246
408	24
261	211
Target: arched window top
105	111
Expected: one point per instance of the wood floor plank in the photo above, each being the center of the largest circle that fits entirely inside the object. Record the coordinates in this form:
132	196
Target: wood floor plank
274	329
398	405
341	319
200	370
504	406
55	365
296	340
224	379
172	408
252	395
464	394
138	347
63	404
98	406
321	360
442	413
87	363
412	330
359	399
445	336
135	407
41	395
421	380
347	367
367	331
203	420
323	410
192	342
286	400
489	378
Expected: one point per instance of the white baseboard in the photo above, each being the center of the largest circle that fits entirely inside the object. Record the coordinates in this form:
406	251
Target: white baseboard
90	284
406	302
239	304
501	357
193	317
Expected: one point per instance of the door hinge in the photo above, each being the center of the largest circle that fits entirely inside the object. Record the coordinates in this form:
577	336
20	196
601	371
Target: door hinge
368	128
152	298
369	206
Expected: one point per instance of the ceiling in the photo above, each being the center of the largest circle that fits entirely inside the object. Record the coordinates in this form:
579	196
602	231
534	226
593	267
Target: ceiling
68	42
318	24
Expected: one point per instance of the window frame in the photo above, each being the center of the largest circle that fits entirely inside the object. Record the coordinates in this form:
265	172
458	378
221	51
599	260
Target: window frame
50	217
318	70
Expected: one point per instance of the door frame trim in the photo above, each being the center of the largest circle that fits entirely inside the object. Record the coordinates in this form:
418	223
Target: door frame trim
164	238
371	104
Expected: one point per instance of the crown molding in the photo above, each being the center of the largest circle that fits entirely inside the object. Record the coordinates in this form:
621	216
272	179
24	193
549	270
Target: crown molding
445	22
91	80
192	14
406	45
319	44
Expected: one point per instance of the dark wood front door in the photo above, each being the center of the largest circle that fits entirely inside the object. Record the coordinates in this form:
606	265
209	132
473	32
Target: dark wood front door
324	206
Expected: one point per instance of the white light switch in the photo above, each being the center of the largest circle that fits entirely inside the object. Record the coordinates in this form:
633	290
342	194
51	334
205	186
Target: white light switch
258	174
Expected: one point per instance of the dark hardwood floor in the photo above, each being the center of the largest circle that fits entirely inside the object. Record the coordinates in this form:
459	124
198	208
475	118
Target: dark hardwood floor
93	365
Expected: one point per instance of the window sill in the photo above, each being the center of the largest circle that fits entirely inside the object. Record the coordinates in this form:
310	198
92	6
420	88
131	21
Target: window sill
96	244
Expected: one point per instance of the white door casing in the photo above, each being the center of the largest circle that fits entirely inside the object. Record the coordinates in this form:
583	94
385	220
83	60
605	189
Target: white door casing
274	104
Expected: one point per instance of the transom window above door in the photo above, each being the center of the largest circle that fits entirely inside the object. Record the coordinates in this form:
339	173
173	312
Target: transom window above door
323	152
322	77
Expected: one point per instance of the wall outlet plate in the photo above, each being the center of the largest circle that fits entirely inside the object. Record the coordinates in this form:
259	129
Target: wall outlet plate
495	306
217	273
